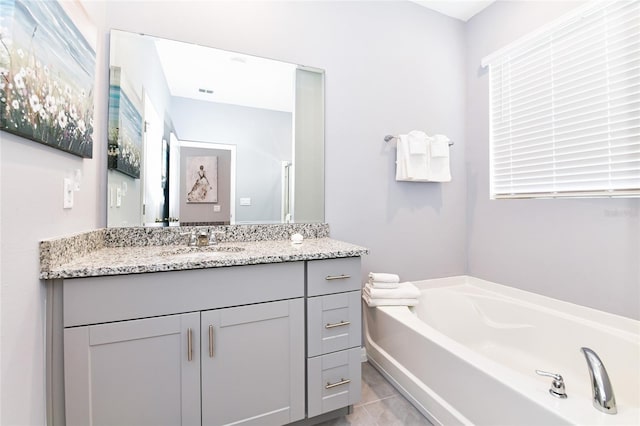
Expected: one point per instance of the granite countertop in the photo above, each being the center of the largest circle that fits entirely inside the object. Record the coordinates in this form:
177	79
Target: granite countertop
155	258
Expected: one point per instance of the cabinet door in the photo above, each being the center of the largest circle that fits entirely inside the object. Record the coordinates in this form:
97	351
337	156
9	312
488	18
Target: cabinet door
136	372
253	364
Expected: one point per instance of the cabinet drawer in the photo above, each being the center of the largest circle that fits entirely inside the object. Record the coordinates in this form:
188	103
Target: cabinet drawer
333	276
97	300
333	322
333	381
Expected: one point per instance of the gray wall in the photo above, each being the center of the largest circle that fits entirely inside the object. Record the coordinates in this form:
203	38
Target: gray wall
263	139
203	212
585	251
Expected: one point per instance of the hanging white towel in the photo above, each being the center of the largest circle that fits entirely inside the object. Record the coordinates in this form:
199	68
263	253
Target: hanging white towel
401	162
439	169
418	143
412	156
418	162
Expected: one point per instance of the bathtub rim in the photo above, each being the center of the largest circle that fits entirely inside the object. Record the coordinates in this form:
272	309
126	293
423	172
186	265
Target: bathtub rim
605	320
531	387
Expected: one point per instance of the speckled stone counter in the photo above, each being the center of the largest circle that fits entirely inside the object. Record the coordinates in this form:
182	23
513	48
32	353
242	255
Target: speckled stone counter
117	251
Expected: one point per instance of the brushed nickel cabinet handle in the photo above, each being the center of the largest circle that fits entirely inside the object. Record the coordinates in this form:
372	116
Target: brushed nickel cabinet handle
337	324
210	341
189	345
340	383
337	277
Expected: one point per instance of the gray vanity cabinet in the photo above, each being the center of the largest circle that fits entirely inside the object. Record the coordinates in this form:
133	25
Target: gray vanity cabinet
261	345
253	364
137	348
132	373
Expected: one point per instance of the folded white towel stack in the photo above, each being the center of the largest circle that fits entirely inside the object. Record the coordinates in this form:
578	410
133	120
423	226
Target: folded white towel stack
383	280
373	302
404	294
383	277
404	291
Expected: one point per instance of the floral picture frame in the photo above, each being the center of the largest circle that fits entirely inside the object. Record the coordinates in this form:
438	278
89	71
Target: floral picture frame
125	133
47	73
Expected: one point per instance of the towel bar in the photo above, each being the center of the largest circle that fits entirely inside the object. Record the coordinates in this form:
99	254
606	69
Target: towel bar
389	138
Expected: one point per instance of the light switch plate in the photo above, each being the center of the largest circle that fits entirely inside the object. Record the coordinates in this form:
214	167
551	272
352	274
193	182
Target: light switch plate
245	201
68	193
216	208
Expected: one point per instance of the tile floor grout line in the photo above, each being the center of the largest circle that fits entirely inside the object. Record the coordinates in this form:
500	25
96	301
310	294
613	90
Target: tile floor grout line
376	400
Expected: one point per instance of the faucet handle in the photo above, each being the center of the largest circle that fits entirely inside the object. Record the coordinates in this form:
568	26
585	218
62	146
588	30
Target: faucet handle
213	240
192	237
557	386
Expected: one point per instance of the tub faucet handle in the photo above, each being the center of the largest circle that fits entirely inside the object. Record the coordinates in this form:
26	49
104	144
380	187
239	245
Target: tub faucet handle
557	386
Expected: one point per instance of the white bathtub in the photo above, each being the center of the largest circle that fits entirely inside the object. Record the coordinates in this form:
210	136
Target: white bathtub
467	354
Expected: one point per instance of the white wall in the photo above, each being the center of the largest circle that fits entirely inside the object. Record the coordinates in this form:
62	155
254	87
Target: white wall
31	189
586	251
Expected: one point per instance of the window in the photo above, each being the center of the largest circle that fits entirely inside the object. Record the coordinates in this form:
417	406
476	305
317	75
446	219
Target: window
565	107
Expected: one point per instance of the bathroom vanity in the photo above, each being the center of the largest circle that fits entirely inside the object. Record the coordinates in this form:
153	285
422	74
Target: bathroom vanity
266	334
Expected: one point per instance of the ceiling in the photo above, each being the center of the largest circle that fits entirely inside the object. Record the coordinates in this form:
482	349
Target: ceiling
214	75
459	9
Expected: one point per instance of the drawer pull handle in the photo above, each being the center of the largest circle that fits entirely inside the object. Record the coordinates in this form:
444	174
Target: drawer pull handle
189	345
337	324
337	277
340	383
210	341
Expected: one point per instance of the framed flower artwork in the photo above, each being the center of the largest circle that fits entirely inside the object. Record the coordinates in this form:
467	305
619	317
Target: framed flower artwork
47	71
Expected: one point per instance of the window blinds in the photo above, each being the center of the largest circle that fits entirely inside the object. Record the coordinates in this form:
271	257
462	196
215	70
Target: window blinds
565	108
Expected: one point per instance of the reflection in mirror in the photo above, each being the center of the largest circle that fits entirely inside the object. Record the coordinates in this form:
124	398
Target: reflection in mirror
202	136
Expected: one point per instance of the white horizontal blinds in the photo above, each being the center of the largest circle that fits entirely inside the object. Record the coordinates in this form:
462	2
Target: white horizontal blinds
565	108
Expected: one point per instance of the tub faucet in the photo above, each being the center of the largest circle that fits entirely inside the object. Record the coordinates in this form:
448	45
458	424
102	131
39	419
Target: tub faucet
603	398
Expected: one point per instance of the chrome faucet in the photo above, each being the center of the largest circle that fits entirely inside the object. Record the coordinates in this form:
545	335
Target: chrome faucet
203	238
213	239
603	398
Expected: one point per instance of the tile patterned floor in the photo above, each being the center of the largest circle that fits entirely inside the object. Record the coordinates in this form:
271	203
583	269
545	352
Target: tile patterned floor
381	405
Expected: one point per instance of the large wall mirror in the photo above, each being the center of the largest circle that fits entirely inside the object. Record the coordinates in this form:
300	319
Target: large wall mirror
203	136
